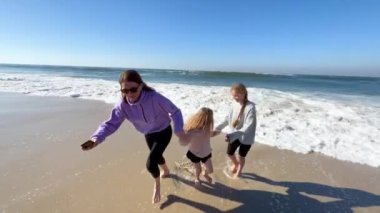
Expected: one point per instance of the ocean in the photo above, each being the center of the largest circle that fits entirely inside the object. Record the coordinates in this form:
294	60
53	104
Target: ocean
333	115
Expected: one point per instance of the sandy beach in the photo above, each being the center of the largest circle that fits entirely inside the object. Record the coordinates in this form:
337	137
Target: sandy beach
43	169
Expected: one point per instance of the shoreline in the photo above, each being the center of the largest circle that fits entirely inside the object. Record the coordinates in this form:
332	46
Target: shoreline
337	124
44	170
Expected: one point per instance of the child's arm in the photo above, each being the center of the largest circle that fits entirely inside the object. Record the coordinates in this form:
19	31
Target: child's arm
224	123
215	133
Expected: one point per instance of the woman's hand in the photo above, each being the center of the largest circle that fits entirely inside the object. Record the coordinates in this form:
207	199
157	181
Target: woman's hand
88	145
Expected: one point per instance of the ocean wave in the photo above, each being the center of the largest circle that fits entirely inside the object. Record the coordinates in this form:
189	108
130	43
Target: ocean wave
345	129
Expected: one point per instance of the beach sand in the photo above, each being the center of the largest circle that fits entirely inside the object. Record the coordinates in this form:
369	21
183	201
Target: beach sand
43	169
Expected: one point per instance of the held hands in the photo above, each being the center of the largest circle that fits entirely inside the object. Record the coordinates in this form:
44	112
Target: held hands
215	133
183	138
227	138
88	145
231	137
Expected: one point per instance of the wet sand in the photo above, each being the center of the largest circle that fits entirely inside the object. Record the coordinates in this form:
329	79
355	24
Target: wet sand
43	169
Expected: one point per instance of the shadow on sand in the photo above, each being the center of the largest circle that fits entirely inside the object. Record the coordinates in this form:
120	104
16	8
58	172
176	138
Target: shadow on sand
296	199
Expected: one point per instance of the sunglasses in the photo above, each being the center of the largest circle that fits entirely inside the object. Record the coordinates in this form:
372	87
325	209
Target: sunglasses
131	90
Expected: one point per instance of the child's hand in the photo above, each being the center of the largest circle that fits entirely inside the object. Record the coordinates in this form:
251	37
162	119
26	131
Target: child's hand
227	138
183	142
231	137
88	145
215	133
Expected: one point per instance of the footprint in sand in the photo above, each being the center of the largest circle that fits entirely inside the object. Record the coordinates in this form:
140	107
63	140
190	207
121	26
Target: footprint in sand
184	169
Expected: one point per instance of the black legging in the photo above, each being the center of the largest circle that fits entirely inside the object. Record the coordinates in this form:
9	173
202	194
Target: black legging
157	143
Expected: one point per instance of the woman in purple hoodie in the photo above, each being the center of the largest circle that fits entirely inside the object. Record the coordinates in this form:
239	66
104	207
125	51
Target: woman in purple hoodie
150	113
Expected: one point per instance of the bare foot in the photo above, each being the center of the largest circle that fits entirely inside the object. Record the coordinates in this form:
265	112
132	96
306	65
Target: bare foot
165	171
233	169
165	174
228	174
208	178
156	194
197	183
236	176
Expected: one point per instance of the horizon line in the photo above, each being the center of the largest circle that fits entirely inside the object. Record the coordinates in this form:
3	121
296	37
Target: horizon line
213	70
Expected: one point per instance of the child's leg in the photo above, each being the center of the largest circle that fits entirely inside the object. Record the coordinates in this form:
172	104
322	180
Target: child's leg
197	168
231	148
235	163
243	150
241	166
209	170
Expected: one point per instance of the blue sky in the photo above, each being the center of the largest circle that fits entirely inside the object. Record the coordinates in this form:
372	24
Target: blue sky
339	37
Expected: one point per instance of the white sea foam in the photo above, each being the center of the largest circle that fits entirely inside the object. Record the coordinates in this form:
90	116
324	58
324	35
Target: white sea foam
346	130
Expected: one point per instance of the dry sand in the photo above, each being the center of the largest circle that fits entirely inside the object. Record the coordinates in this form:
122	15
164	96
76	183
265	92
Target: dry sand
43	169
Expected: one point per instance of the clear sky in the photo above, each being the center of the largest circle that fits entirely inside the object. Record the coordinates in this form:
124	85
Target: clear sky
340	37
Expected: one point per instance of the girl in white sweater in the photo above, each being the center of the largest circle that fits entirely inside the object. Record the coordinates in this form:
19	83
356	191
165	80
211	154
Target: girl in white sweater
241	122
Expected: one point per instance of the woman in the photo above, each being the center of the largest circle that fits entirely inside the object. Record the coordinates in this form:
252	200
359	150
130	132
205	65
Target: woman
242	127
150	113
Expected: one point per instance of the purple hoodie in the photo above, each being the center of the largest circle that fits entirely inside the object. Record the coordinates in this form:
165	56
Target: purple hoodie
151	113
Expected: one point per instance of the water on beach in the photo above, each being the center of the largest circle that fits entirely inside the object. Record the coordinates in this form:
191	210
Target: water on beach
336	116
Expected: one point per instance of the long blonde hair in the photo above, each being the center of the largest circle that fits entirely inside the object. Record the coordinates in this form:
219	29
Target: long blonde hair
203	120
240	88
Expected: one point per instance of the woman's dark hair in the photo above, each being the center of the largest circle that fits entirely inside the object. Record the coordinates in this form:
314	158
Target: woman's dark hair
133	76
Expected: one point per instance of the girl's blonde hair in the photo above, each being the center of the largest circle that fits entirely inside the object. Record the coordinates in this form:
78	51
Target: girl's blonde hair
203	119
240	88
